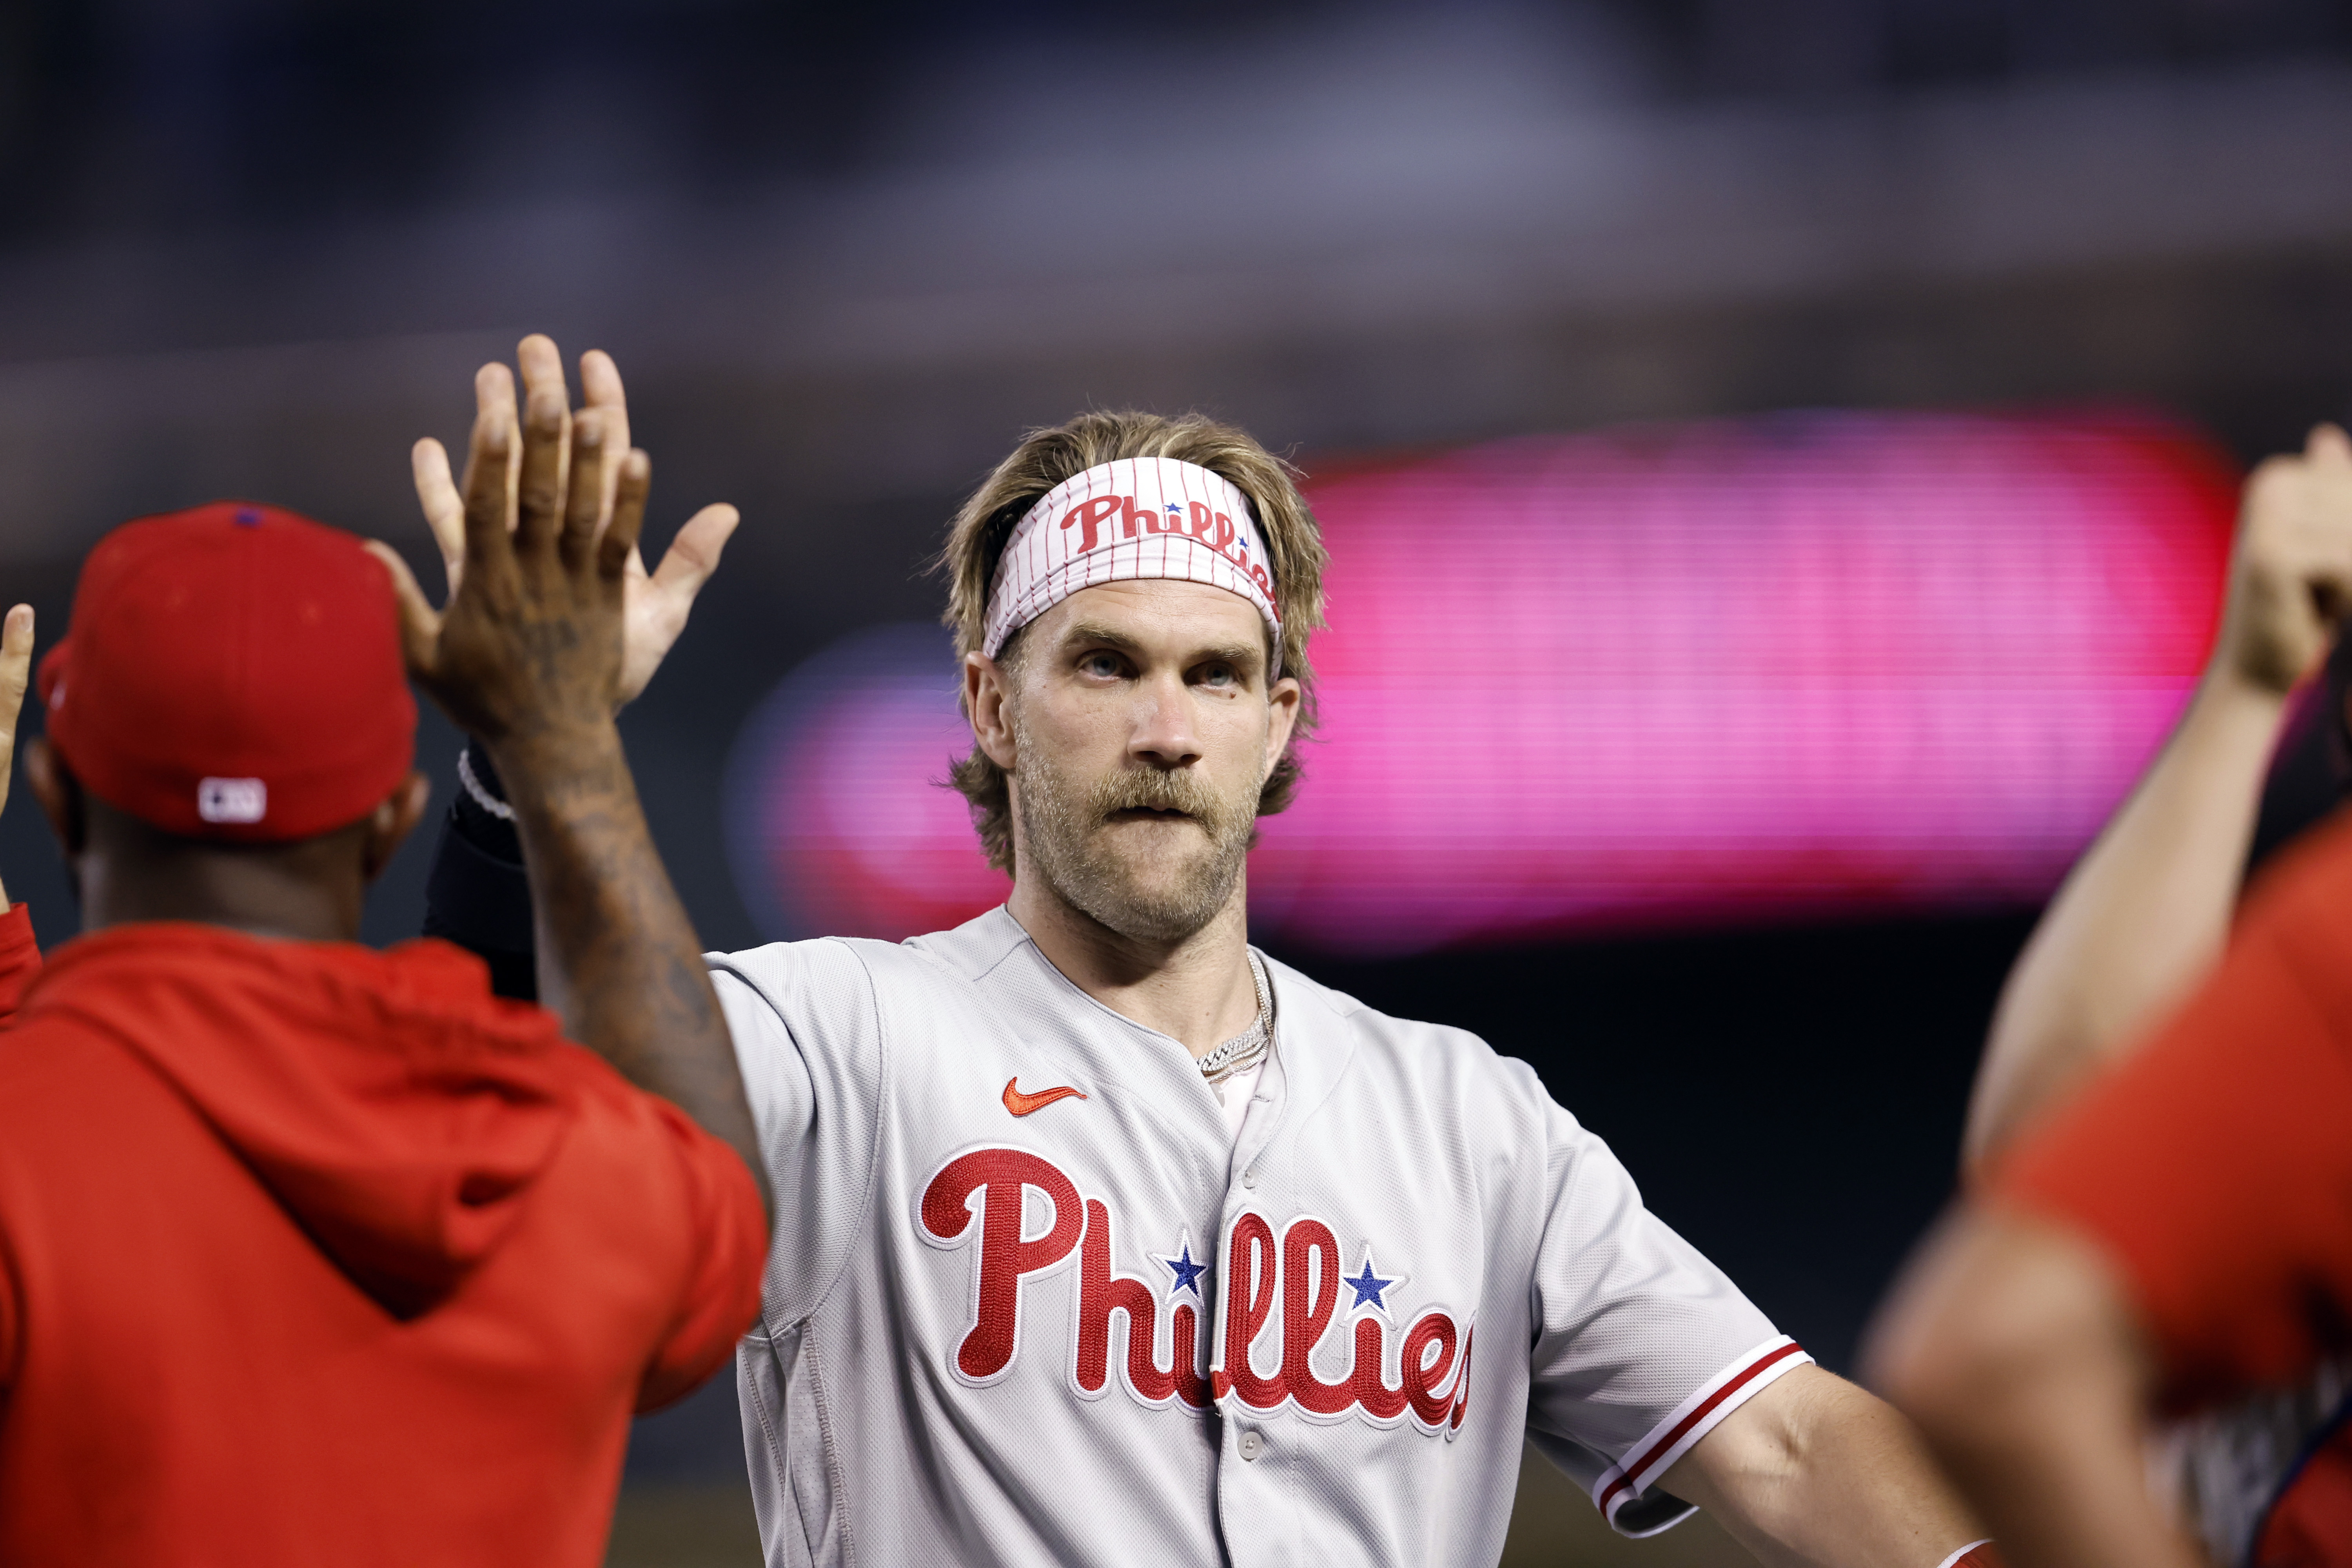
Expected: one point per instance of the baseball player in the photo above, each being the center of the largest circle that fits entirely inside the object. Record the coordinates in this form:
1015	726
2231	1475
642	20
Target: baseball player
1103	1237
308	1253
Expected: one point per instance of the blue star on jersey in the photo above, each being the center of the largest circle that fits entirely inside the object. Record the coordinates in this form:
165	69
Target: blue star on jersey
1187	1272
1370	1287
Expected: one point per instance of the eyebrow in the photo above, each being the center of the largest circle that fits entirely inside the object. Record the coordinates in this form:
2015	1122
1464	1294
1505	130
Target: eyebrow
1244	656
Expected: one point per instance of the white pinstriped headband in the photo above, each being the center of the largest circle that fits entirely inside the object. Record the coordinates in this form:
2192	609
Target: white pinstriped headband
1124	520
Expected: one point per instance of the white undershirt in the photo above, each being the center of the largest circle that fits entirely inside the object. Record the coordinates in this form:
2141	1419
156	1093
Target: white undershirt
1234	1095
1240	1086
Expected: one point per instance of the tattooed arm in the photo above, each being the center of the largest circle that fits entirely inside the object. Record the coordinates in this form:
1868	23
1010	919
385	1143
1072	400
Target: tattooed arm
478	895
528	658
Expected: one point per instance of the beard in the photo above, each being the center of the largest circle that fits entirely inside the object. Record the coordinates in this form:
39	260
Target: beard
1164	888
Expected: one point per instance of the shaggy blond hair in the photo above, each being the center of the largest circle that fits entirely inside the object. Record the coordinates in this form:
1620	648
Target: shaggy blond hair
977	538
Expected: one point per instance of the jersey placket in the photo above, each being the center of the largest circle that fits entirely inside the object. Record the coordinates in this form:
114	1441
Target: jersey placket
1247	1455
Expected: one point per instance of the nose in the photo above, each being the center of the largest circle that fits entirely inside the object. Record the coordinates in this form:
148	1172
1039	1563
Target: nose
1164	734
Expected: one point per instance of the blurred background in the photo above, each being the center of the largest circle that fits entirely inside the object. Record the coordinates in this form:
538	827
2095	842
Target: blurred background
1778	455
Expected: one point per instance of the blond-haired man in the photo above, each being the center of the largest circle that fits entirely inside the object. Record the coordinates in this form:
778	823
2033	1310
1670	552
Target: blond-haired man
1104	1238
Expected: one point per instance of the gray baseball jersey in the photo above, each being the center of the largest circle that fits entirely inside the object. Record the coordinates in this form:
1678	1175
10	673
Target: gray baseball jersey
1031	1302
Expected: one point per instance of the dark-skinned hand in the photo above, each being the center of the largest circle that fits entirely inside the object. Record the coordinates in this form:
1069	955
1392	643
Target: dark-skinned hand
655	605
531	643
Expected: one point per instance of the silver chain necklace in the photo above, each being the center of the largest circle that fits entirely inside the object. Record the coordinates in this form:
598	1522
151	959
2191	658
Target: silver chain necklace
1249	1046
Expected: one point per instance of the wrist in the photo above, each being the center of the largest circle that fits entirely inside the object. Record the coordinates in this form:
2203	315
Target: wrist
532	762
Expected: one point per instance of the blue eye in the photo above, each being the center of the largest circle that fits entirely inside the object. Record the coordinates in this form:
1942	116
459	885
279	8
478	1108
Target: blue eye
1100	663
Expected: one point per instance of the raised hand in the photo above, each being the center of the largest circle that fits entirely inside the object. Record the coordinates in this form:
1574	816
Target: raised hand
530	642
15	674
655	605
528	658
2291	577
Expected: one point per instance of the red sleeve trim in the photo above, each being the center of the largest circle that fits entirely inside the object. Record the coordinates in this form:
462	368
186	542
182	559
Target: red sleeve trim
1975	1554
1692	1419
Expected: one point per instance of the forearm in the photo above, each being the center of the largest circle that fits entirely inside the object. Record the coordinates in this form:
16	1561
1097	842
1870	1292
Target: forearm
1826	1475
2012	1347
2060	1473
617	956
2141	918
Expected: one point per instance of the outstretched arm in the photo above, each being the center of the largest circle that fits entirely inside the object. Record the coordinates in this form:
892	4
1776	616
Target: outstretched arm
2013	1343
477	894
528	658
2144	915
1812	1471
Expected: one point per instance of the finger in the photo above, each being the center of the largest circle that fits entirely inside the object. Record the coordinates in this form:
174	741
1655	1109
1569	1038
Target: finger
693	555
444	509
600	388
584	493
540	497
488	496
15	674
2328	444
628	518
420	624
541	364
494	400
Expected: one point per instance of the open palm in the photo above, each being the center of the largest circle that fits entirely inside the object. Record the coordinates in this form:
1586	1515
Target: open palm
655	603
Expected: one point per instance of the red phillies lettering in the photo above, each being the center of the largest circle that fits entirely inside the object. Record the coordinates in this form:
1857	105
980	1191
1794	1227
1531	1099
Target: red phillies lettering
1422	1381
1249	1302
1185	1337
1366	1379
1001	1175
1089	515
1462	1379
1213	528
1101	1293
1292	1285
1310	1293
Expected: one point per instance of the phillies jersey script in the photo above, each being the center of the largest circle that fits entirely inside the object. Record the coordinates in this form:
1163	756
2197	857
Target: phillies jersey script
1030	1302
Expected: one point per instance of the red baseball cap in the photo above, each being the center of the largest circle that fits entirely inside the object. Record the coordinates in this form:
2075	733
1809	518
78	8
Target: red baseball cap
233	672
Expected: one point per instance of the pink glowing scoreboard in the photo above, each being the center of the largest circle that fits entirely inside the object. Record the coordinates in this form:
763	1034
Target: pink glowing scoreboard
1813	664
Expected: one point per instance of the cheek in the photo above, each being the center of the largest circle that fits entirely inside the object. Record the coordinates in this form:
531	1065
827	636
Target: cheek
1235	734
1076	726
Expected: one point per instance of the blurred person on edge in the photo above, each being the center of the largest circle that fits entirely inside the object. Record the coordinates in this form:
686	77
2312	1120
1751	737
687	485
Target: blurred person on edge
1102	1236
2135	1345
311	1253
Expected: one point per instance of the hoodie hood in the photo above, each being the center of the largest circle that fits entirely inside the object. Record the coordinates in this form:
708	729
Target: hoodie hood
394	1108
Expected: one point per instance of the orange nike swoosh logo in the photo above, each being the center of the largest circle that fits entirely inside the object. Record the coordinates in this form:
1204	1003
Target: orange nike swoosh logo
1022	1104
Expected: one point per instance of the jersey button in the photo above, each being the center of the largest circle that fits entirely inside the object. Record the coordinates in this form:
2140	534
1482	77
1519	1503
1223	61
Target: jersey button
1251	1445
1249	1180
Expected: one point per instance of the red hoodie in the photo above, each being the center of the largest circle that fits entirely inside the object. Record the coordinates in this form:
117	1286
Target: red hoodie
311	1253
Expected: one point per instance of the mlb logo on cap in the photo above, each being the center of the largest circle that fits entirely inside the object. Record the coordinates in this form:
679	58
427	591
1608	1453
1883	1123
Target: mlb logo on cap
232	800
237	674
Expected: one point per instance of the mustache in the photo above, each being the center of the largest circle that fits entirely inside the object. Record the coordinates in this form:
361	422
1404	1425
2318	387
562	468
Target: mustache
1150	789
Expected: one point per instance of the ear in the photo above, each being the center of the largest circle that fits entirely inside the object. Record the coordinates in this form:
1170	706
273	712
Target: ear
987	695
394	817
60	793
1283	700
